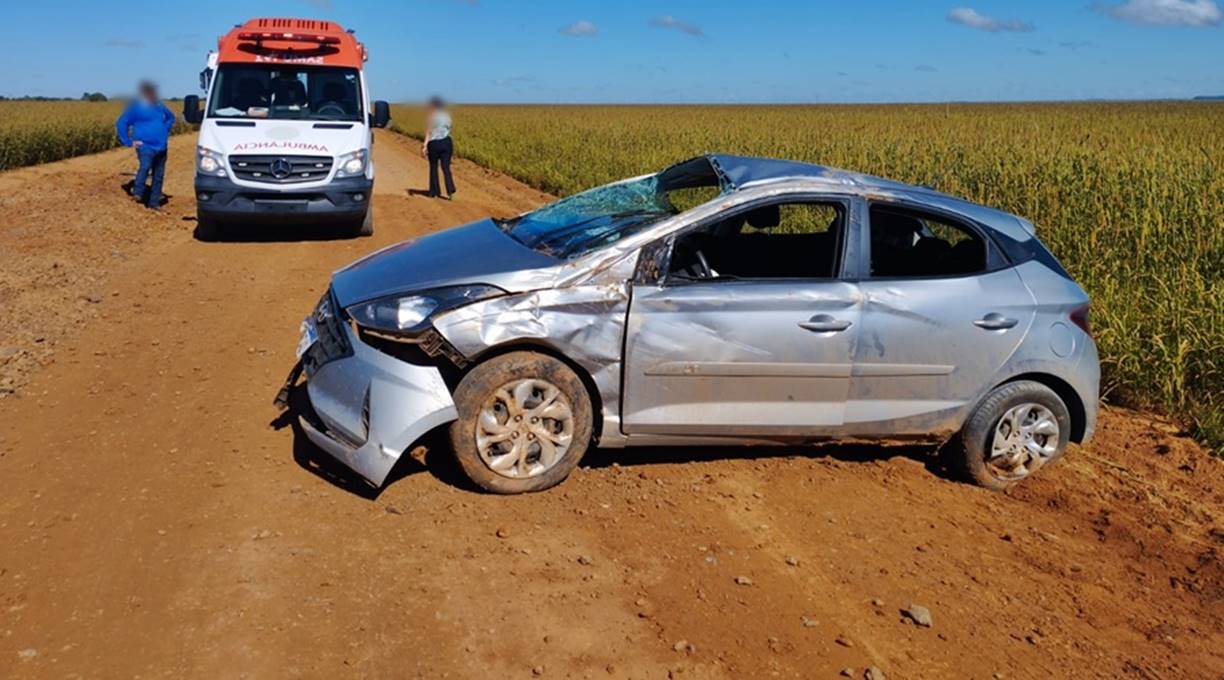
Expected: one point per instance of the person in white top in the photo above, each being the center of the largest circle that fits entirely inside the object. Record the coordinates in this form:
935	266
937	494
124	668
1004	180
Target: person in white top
438	147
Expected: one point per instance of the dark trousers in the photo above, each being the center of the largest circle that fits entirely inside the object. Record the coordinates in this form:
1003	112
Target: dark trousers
152	161
440	152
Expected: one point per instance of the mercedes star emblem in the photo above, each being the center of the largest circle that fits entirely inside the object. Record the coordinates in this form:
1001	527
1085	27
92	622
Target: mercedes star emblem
281	168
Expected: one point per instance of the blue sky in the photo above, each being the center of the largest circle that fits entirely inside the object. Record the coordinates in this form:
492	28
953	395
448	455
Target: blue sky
671	51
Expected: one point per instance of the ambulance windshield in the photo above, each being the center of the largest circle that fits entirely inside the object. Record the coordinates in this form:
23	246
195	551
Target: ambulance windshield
286	92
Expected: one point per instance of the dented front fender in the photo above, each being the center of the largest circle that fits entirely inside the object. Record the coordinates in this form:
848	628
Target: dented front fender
585	322
371	407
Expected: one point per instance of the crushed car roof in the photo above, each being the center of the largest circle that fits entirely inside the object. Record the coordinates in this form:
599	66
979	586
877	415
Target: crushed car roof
741	171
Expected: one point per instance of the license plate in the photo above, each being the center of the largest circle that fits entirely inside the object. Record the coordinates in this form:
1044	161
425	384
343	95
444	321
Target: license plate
281	206
310	335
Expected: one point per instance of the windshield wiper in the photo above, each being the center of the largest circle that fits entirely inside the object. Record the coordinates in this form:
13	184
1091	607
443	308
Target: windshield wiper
638	212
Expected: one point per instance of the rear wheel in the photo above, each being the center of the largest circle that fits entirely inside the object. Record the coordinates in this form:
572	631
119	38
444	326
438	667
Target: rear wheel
524	423
1017	429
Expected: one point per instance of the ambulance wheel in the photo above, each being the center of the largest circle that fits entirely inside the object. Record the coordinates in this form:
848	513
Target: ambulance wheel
366	226
208	228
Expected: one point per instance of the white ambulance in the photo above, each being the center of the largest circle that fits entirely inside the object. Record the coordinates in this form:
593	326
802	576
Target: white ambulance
285	130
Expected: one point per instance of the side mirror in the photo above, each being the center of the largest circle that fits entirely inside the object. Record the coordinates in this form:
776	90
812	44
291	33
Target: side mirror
191	110
381	116
206	75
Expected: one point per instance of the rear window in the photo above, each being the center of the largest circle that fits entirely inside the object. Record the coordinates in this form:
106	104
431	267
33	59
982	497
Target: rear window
1029	249
911	244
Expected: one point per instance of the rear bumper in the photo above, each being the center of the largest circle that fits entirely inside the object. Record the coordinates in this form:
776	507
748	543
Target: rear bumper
1088	386
371	407
342	199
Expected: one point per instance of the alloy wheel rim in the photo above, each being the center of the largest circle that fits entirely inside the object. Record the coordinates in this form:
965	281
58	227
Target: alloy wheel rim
524	428
1024	439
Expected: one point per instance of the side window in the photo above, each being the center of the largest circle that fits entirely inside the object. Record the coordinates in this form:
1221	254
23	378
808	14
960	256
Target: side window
799	240
907	244
800	218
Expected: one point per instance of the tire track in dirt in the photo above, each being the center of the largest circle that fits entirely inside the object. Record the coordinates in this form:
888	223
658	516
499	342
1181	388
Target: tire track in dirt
158	521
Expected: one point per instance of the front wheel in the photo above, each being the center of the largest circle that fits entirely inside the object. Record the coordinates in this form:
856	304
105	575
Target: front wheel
208	228
365	226
524	423
1016	430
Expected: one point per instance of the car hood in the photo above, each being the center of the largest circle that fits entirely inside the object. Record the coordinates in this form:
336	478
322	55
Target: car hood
479	252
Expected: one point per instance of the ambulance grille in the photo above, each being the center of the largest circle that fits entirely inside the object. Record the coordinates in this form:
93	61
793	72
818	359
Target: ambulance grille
280	169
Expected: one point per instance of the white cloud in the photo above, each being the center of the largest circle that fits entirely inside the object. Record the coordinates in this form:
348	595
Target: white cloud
966	16
1198	13
581	28
669	21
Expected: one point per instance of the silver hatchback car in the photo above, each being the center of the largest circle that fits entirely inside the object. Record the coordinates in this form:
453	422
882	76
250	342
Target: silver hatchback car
722	300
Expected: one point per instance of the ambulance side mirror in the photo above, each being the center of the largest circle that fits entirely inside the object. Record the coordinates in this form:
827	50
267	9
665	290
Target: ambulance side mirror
381	116
191	109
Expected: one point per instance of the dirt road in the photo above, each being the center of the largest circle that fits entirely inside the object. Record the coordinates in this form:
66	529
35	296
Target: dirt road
158	520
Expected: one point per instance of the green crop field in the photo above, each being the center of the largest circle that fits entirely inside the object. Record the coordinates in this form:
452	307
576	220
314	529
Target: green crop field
1129	196
34	132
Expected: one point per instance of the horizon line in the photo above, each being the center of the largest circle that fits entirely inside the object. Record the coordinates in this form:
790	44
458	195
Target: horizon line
898	102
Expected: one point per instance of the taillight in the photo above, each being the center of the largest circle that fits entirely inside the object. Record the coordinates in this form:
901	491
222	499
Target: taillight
1079	317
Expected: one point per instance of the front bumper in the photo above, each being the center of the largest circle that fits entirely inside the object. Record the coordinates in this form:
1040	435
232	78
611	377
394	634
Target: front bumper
371	407
221	198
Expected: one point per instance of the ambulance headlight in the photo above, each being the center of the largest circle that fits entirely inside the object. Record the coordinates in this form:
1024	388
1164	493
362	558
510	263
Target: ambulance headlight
352	164
209	162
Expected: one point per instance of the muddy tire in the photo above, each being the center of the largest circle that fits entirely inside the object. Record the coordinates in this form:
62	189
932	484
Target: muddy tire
524	423
1017	429
209	228
364	226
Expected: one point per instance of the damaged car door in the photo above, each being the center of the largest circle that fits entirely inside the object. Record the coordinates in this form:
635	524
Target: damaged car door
749	329
943	310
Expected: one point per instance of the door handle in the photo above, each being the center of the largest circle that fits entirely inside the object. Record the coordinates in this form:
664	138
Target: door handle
823	323
995	322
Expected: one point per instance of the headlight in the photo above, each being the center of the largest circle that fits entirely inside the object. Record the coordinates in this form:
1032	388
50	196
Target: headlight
394	314
352	164
210	162
409	314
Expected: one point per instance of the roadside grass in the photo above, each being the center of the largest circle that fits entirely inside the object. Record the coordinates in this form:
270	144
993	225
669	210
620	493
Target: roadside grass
1129	196
33	132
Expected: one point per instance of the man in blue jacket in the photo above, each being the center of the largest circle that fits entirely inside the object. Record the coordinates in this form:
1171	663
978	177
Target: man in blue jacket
145	125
